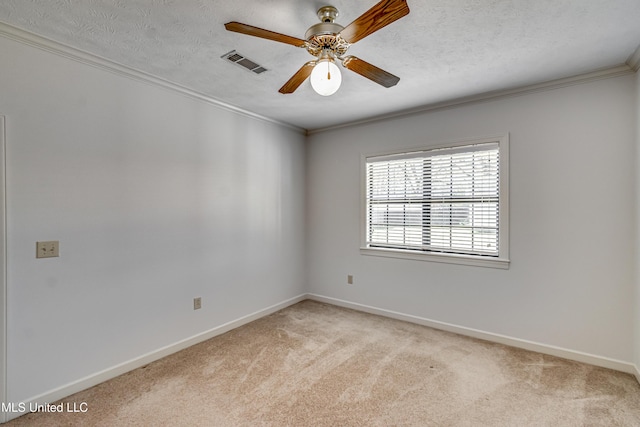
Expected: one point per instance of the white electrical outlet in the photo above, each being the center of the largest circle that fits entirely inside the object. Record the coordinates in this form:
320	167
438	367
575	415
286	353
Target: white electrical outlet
47	249
197	303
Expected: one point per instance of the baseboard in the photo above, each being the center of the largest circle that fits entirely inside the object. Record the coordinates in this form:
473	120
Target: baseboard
107	374
488	336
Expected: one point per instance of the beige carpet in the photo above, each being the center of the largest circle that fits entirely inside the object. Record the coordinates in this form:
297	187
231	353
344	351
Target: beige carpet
314	364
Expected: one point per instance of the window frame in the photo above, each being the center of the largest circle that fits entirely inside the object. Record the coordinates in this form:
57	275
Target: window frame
501	261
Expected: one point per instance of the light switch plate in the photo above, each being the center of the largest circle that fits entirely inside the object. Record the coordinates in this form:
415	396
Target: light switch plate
47	249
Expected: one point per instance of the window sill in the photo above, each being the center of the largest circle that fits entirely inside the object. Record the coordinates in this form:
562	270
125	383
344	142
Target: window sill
476	261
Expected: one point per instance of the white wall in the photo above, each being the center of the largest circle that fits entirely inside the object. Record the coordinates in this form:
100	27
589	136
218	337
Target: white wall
155	197
572	201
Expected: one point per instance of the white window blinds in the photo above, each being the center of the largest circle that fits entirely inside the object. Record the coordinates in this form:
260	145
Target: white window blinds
444	200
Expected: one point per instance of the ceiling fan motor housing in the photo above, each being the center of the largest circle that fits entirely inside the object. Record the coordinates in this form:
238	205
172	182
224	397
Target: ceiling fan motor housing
324	39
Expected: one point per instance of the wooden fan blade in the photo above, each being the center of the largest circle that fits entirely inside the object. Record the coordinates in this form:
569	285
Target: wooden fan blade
265	34
300	76
371	72
379	16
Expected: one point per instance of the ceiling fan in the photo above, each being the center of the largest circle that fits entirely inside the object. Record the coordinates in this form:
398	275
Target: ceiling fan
329	41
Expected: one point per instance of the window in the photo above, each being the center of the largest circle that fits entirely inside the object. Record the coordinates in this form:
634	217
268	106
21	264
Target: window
442	204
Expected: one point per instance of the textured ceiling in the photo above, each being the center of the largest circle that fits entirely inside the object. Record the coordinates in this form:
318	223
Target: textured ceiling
443	50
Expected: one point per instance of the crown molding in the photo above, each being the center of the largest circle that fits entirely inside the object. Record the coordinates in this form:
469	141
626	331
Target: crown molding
25	37
83	57
616	71
634	60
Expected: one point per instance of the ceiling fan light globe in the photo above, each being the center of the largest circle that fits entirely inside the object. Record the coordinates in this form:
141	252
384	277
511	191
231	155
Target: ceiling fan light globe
320	81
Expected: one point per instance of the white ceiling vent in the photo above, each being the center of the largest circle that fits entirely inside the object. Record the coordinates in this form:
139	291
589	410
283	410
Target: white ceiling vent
243	61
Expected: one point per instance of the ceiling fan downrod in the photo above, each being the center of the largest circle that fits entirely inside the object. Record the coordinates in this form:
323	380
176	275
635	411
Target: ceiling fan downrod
327	14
